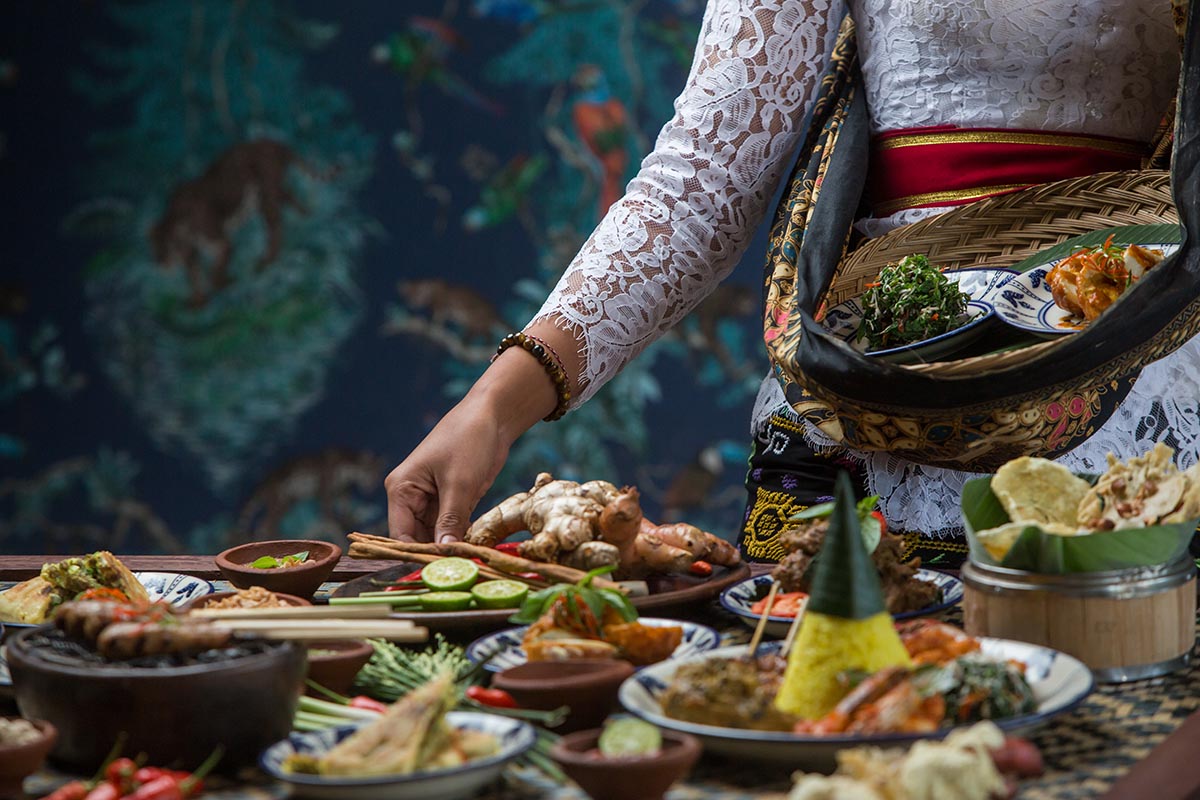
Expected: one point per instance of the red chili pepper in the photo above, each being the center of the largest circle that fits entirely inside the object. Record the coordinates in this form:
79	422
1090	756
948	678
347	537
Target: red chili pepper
147	774
701	568
121	773
75	790
179	785
512	548
496	698
368	703
882	522
105	791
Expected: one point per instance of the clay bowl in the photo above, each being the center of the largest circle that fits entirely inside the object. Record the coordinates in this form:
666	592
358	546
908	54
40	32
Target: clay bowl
636	778
334	664
302	580
176	715
588	686
19	761
206	599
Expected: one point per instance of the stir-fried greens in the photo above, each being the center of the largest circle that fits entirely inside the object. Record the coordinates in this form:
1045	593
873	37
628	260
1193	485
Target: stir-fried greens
911	301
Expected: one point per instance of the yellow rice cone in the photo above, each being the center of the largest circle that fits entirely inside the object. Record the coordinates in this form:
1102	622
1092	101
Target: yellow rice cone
827	645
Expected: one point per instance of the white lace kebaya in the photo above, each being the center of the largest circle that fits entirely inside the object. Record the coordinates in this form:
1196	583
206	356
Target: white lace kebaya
1101	67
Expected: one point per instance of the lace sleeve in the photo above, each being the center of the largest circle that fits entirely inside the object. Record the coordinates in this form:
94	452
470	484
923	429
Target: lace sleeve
693	207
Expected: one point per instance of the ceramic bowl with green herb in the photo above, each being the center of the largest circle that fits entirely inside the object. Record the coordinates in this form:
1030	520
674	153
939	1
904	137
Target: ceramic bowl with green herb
290	566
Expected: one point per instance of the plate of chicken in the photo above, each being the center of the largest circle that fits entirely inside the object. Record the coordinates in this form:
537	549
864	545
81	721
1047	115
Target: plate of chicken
1065	295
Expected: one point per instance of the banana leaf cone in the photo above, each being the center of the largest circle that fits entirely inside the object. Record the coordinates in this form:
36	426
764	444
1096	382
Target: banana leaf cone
846	625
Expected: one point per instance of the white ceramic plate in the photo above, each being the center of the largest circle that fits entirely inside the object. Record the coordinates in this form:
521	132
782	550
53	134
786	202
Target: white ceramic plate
507	643
515	737
738	599
1026	302
981	284
1059	683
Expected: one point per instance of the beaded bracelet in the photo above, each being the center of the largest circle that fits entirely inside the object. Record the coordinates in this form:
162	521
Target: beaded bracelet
549	361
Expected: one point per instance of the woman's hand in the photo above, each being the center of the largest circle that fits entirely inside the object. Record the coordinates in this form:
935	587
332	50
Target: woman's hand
432	493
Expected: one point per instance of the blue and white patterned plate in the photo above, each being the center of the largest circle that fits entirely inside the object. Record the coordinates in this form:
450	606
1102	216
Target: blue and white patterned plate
1026	301
507	643
1059	682
738	599
981	284
514	737
173	587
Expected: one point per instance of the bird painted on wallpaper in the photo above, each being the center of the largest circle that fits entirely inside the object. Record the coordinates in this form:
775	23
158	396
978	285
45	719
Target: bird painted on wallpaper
693	485
422	53
505	192
602	125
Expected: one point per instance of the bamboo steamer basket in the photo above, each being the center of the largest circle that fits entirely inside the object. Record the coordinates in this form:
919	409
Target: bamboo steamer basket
1124	624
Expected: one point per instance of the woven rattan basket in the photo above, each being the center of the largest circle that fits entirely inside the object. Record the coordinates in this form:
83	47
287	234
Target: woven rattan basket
1005	230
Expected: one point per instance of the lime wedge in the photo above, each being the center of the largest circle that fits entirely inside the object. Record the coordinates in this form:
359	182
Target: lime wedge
499	594
628	736
450	574
445	601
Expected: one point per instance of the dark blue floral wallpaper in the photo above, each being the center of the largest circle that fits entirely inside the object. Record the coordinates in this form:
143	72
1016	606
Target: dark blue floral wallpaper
253	250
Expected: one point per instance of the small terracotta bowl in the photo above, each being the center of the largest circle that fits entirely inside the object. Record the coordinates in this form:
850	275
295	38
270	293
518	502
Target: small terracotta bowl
19	761
205	600
588	686
334	664
635	778
301	581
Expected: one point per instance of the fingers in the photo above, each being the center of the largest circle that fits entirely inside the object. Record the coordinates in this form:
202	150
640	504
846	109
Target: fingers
405	501
454	510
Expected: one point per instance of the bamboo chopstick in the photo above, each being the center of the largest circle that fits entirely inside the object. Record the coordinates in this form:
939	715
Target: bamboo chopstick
792	629
326	629
762	621
376	611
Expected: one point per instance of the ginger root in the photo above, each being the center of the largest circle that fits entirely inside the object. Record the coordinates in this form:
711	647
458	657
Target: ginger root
593	524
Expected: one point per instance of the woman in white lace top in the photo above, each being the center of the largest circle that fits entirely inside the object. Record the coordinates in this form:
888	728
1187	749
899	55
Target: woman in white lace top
1105	68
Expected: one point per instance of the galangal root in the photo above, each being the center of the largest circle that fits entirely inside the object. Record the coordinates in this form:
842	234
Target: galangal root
594	524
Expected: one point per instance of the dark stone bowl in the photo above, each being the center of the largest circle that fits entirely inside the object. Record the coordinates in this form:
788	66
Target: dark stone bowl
302	580
176	715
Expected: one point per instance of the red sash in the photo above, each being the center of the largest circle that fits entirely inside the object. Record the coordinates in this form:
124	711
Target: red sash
948	166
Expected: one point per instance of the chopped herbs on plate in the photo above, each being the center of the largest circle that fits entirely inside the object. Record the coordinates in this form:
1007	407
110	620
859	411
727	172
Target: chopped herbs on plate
912	301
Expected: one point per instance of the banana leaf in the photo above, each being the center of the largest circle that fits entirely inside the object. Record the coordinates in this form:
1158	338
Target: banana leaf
1037	551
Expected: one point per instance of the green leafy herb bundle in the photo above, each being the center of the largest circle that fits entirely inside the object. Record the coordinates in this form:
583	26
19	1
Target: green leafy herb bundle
912	301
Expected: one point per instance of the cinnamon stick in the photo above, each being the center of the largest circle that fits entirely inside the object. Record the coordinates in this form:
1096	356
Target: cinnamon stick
383	547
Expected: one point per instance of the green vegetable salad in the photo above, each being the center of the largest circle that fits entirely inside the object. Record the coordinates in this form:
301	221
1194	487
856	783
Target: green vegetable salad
912	301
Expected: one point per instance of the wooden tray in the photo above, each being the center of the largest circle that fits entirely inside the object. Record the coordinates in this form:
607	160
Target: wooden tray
667	592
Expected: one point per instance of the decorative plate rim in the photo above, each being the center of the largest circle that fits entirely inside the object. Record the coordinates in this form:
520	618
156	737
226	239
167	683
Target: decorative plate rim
784	737
471	651
523	729
727	602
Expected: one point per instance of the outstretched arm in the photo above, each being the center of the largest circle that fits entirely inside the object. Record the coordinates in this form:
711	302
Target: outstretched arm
681	227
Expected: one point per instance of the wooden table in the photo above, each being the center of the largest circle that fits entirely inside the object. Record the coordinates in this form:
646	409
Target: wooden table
1120	739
